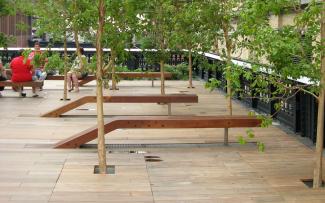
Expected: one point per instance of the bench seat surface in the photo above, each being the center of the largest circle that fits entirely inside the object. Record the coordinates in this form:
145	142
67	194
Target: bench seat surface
23	84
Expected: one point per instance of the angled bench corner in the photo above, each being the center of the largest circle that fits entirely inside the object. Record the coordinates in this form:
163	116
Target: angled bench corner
130	122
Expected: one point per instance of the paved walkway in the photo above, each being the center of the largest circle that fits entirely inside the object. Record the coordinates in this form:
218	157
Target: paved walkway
194	166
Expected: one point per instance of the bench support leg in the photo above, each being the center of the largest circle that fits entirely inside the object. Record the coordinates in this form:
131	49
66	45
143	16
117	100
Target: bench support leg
169	109
225	140
152	83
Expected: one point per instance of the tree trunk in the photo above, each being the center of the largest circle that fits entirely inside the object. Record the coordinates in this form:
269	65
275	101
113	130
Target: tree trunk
228	68
65	89
190	74
76	36
162	77
76	39
320	117
99	82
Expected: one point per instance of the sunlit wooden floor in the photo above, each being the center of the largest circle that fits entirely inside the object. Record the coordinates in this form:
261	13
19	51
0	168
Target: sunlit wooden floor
194	166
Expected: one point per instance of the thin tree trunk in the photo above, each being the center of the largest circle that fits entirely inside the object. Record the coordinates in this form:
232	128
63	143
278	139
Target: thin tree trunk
65	89
76	39
162	77
76	36
190	74
228	68
320	117
99	82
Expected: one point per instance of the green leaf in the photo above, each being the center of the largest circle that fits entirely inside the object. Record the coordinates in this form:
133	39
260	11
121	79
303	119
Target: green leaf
250	133
261	147
251	113
241	140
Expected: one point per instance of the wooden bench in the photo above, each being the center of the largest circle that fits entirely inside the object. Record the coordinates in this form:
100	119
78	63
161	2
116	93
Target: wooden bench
154	98
18	86
151	75
82	81
157	122
123	75
9	83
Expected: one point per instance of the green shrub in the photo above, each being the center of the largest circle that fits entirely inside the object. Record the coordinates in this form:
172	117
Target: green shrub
54	63
122	69
179	72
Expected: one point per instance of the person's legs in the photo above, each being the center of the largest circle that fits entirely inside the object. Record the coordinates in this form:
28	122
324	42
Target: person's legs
75	82
34	78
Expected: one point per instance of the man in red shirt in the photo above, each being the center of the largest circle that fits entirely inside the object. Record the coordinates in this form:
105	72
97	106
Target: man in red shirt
21	71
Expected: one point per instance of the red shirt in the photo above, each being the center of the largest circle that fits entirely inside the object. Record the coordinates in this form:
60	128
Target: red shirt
20	72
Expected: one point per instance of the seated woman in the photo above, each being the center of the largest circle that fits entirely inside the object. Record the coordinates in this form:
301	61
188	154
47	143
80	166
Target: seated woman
22	71
76	72
3	76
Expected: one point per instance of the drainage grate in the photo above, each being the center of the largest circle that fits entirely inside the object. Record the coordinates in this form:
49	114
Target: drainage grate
110	169
85	109
151	157
28	115
153	160
40	146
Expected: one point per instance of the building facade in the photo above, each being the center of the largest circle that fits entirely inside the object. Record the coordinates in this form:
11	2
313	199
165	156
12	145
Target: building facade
9	26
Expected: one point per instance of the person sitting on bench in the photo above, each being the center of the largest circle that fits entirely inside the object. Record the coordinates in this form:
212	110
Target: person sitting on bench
38	71
22	71
3	76
77	72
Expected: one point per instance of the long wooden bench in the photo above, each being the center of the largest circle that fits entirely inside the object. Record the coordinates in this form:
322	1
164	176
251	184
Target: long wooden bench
123	75
154	98
9	83
157	122
82	81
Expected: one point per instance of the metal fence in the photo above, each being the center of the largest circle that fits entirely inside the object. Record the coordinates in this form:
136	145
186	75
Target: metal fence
298	114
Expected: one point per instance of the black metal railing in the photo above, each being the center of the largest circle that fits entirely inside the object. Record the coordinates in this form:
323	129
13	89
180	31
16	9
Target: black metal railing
298	113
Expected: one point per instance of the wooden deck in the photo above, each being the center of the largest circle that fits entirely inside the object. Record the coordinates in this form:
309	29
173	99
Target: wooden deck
195	167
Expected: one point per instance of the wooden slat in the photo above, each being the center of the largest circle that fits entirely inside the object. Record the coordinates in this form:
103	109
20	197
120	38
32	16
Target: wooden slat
143	74
55	77
126	122
87	79
21	84
168	98
90	78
